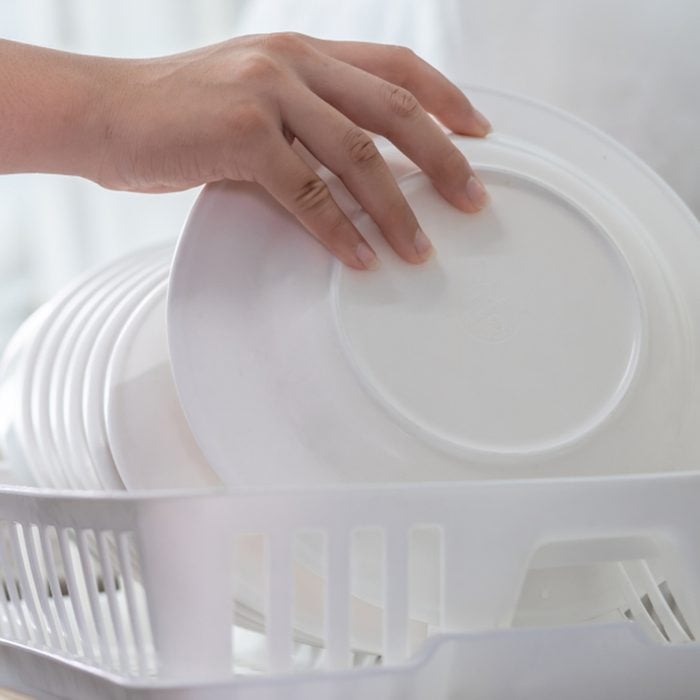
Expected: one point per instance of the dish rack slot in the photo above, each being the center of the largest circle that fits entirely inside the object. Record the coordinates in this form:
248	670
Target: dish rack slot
77	593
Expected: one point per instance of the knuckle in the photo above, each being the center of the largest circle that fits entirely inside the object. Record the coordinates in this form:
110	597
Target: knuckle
402	54
259	67
401	102
360	147
250	120
313	195
291	43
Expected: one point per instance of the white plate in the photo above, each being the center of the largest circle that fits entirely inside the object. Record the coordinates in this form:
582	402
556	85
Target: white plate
85	377
538	342
52	370
59	367
553	334
90	399
30	422
13	371
148	435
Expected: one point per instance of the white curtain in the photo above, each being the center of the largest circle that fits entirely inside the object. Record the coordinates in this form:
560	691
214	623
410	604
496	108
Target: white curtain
630	67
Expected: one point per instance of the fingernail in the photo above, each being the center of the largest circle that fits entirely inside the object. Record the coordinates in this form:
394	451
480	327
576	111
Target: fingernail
482	121
366	256
422	244
476	192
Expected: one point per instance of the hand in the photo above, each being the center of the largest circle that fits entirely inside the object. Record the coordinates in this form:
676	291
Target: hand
232	111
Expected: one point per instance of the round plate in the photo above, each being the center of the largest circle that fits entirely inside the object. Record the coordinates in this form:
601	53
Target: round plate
13	370
537	342
52	369
58	368
32	414
85	375
90	399
481	352
148	435
552	335
30	421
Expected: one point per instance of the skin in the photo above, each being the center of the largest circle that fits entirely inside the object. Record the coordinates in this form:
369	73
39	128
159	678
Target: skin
237	111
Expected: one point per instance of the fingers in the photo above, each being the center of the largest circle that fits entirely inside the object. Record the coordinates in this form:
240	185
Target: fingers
400	66
340	89
350	153
394	112
299	189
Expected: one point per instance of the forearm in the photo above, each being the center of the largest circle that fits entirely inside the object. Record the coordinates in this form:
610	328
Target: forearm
53	110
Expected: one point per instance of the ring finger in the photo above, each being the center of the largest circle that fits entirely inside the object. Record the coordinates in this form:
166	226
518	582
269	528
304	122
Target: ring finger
347	150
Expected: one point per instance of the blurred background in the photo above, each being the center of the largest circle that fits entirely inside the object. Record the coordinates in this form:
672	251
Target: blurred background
630	67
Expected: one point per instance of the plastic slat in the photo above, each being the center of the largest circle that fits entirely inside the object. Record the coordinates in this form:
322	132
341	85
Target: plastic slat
279	602
639	612
113	603
395	596
455	577
337	611
40	578
67	623
93	598
136	617
9	624
36	619
90	649
641	572
18	616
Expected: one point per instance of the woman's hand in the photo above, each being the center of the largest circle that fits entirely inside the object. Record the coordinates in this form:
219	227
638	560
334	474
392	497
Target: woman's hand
233	110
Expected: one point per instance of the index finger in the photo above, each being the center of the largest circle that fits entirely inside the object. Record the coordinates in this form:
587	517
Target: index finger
400	66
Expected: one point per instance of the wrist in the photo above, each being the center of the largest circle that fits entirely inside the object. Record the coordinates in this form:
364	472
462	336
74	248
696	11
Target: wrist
104	87
91	117
56	109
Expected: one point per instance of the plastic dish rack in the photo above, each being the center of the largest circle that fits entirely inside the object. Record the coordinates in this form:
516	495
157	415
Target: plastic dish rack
131	596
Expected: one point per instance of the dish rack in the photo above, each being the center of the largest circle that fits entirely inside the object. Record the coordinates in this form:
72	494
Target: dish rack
121	596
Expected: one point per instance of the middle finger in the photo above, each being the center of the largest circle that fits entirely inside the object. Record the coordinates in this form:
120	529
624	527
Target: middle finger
392	111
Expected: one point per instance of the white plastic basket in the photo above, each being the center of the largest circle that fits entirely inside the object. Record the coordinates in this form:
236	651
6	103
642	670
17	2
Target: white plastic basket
130	596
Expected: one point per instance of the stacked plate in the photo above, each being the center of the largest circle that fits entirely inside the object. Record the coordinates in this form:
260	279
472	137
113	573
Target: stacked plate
553	335
66	377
